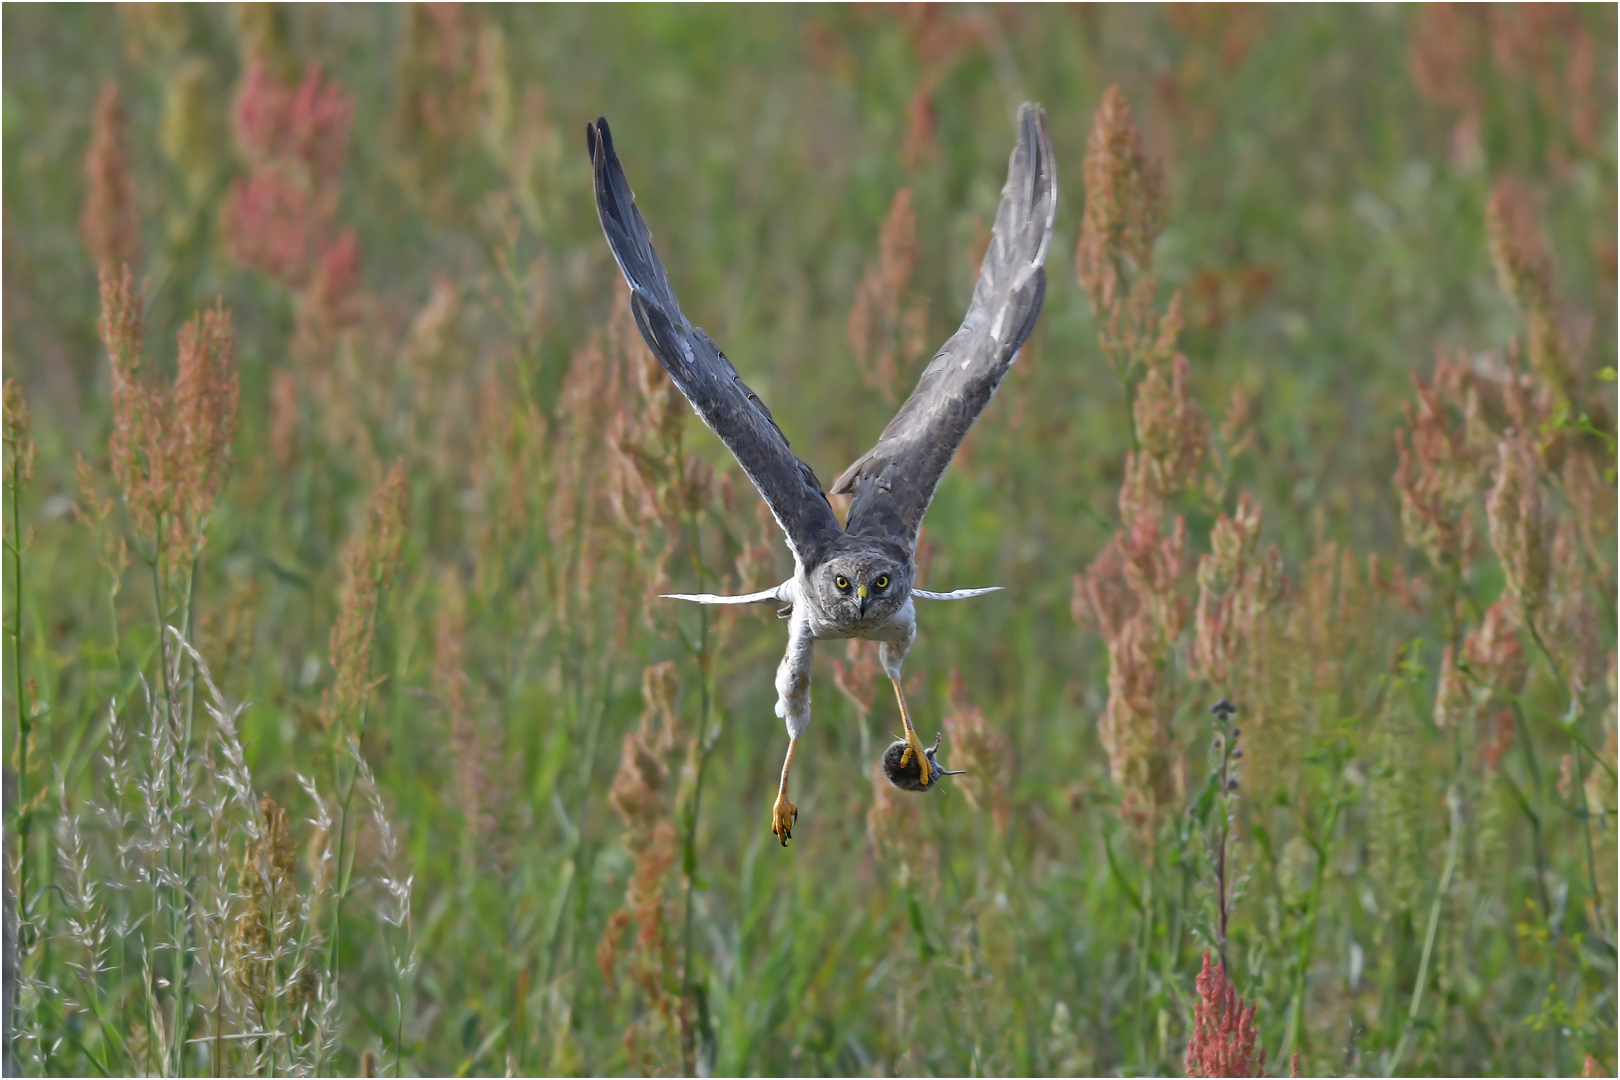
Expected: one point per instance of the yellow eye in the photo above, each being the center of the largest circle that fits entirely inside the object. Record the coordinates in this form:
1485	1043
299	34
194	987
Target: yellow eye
841	581
882	582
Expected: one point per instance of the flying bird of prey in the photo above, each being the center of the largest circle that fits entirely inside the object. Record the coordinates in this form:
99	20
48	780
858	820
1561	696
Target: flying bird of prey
854	580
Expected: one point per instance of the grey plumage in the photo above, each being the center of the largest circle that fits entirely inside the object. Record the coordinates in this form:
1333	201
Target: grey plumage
856	580
894	482
701	371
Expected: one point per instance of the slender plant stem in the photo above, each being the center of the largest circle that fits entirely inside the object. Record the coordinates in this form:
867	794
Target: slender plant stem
344	873
399	1023
24	733
1533	813
705	661
1514	699
1546	654
574	888
177	893
1307	932
1149	899
1454	804
1585	815
1580	767
1223	726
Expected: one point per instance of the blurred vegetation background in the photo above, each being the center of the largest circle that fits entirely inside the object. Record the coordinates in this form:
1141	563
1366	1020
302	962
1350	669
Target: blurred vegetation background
489	807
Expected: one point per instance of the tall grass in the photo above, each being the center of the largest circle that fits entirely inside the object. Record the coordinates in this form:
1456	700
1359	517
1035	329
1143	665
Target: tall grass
345	733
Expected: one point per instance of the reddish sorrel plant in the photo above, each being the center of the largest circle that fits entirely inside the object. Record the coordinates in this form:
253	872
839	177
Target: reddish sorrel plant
885	332
171	446
981	751
1474	61
1224	1032
280	219
109	221
643	796
371	559
370	562
1132	592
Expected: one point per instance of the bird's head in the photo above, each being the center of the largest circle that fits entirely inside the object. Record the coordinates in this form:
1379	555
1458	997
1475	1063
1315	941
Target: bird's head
862	589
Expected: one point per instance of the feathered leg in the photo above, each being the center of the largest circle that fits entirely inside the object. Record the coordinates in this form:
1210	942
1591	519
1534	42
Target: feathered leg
793	706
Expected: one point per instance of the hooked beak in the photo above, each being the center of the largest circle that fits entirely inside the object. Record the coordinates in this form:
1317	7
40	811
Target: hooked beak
860	591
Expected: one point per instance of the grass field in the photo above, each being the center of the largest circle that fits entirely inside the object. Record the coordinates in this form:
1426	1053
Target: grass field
345	735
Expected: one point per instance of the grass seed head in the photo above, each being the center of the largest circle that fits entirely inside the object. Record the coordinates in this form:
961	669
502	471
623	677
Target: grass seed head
642	794
267	924
206	400
371	560
20	450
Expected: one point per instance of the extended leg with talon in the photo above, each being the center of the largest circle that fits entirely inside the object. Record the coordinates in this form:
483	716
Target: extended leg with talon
784	813
793	706
914	746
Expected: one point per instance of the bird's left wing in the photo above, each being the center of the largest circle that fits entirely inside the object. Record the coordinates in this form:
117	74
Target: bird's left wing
895	481
701	372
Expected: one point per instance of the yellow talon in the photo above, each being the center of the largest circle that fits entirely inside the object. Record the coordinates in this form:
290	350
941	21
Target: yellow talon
783	815
914	748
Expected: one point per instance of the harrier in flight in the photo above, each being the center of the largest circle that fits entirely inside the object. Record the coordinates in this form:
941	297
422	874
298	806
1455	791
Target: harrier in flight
851	580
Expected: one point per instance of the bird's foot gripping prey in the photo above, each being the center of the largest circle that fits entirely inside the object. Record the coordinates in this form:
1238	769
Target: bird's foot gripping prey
854	579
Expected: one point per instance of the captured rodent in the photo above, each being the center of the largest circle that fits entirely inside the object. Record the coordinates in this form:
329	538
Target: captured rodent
908	777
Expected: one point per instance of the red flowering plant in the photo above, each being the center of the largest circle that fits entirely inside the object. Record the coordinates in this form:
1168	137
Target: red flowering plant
281	218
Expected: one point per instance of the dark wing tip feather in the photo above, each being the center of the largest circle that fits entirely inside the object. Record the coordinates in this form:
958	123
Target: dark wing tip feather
627	234
598	134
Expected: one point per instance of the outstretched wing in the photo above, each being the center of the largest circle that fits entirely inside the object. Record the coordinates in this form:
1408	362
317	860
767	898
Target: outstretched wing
895	481
701	372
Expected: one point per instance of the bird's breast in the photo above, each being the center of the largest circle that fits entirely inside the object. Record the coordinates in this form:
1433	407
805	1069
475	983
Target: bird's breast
896	626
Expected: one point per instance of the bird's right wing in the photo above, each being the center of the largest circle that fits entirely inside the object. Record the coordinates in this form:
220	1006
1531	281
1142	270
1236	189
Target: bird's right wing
701	372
